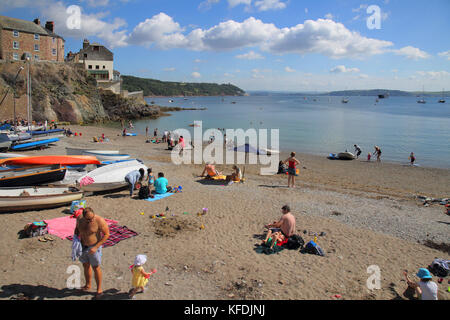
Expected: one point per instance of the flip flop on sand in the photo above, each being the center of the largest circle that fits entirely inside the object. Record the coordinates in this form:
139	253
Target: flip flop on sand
42	239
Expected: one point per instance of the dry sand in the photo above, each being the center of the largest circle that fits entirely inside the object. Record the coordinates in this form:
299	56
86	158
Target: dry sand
367	211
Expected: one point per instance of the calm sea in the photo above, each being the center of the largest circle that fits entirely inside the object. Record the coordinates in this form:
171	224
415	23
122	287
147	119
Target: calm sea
323	125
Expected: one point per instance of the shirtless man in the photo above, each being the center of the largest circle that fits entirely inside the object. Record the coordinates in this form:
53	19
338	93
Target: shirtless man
89	228
282	229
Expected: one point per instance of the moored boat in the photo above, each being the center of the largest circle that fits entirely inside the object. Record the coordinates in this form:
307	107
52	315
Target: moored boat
49	160
34	198
346	156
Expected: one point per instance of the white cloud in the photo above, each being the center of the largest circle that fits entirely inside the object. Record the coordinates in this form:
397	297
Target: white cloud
265	5
160	29
361	7
411	53
343	69
96	3
433	74
329	16
234	3
445	54
196	75
207	4
250	56
289	69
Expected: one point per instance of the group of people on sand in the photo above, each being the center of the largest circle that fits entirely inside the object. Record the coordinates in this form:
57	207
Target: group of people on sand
376	152
211	172
159	185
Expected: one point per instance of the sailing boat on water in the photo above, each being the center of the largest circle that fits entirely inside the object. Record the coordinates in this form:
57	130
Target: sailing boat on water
422	100
442	100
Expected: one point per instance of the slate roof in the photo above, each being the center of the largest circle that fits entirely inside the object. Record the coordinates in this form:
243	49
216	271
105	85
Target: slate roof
9	23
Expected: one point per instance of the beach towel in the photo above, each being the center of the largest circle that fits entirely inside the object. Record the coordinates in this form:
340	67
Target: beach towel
160	196
64	226
116	234
266	250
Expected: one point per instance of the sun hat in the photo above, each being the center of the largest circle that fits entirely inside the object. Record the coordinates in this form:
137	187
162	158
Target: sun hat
140	259
424	274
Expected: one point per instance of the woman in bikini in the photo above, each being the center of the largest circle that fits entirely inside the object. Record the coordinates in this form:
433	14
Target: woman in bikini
292	163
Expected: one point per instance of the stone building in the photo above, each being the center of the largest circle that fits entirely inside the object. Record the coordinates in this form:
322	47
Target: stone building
20	39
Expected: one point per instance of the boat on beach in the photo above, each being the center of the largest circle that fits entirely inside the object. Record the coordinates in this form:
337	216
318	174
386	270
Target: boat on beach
81	151
102	156
49	160
109	177
31	176
33	144
346	156
34	198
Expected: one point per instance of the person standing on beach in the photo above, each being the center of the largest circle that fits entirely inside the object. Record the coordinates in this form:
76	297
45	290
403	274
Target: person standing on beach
292	169
146	131
377	153
155	132
412	158
133	178
357	151
182	144
89	229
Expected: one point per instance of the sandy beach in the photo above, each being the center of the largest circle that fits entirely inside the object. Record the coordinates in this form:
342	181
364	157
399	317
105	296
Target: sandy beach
367	211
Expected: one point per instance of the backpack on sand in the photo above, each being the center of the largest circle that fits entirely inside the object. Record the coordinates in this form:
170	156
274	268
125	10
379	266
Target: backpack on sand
144	192
35	229
295	242
440	267
312	248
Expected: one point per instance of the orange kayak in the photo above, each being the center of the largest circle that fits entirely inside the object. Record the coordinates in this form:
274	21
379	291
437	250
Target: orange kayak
49	160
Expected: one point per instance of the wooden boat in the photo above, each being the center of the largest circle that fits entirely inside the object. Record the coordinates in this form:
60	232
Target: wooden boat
80	151
31	176
49	160
109	177
101	156
346	156
34	198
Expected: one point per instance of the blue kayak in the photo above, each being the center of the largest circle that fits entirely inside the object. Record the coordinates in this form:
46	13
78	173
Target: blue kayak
35	144
35	133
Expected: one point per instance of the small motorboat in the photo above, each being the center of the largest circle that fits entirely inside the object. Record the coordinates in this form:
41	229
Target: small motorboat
31	176
34	198
346	156
109	177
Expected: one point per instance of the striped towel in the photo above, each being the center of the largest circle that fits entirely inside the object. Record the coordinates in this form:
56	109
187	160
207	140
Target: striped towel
116	234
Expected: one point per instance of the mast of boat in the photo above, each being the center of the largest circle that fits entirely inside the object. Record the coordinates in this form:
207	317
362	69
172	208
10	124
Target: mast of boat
14	98
29	112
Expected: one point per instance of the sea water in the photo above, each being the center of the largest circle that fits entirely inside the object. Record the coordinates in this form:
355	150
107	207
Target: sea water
322	125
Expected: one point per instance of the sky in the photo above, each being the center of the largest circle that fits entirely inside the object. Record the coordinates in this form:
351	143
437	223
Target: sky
276	45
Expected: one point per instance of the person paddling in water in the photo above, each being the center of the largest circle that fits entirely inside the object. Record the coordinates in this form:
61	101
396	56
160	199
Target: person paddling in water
292	163
412	158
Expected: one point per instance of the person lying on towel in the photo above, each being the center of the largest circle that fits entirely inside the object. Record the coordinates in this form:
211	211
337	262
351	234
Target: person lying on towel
211	170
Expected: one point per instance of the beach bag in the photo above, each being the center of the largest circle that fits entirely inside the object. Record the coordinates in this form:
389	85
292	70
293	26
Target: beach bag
312	248
440	268
35	229
144	192
295	242
76	205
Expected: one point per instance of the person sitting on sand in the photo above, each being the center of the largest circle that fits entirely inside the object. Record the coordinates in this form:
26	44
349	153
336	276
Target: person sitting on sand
282	229
236	176
211	170
133	178
292	169
161	184
282	167
425	288
140	277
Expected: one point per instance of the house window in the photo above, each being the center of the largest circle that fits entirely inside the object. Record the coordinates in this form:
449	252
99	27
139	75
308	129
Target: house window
15	33
15	56
15	45
85	55
97	67
90	67
36	36
36	57
104	67
36	47
54	52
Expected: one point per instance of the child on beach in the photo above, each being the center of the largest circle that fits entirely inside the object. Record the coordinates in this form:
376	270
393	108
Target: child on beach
369	155
140	277
412	158
425	288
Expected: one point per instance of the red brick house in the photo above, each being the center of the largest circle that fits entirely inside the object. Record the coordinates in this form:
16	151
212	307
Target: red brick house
20	39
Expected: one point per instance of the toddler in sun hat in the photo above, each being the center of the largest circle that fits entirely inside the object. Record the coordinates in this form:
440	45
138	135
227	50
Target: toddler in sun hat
140	277
425	288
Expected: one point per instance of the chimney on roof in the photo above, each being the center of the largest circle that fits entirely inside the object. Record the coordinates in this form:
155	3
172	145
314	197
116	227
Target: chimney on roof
37	21
50	25
85	43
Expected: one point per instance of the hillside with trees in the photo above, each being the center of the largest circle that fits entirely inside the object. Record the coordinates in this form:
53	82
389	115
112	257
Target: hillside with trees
152	87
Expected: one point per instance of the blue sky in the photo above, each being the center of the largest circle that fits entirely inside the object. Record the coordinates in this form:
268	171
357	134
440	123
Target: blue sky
288	45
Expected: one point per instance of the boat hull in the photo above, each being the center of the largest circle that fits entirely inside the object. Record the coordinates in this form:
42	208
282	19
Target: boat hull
12	201
81	151
30	177
49	160
346	156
